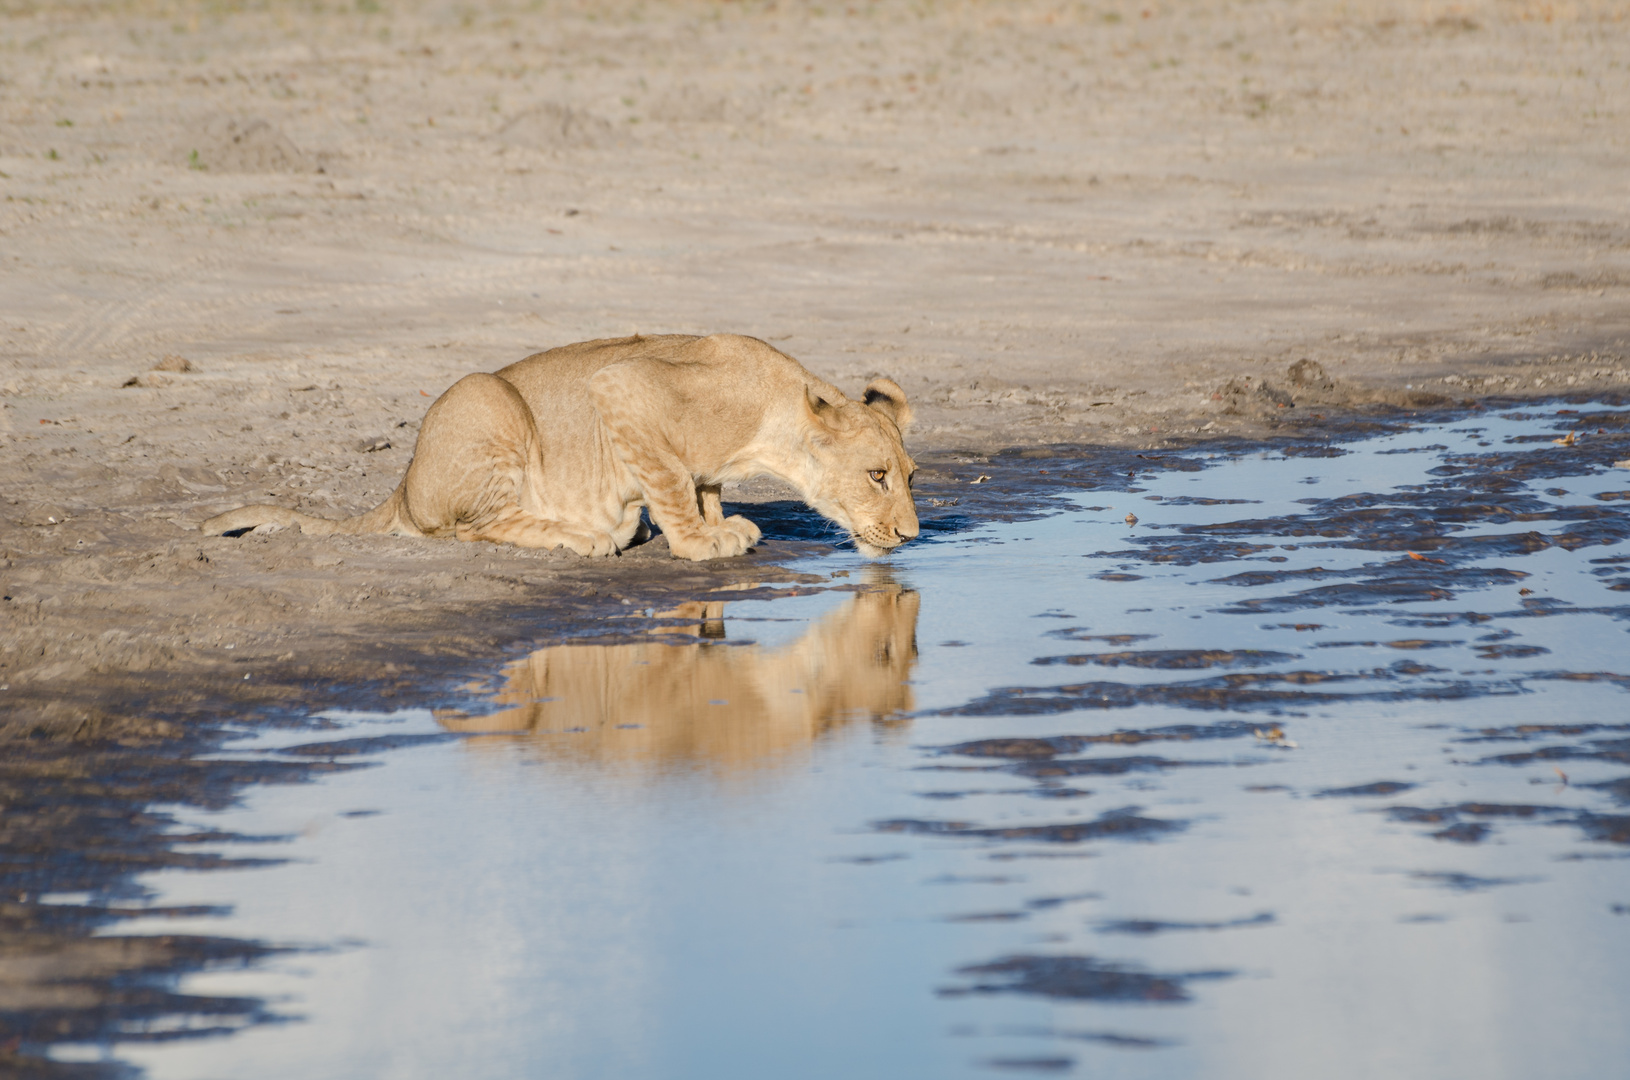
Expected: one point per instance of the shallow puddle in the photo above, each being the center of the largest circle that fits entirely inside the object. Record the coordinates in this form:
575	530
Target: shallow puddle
1317	769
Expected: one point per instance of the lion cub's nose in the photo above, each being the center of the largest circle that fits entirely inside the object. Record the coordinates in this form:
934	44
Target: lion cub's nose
907	533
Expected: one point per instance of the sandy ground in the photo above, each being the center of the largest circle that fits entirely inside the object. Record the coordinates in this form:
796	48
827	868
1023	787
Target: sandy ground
1100	223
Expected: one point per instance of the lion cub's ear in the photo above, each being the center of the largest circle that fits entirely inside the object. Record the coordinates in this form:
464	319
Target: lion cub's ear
822	409
886	397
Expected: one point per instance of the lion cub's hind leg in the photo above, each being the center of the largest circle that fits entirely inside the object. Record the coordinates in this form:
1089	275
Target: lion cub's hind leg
515	526
477	461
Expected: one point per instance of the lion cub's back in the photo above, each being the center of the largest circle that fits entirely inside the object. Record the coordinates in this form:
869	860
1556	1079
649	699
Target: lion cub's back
555	385
556	381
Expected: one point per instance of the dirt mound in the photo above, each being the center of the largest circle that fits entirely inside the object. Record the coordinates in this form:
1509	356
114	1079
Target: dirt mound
553	126
159	374
689	103
1310	374
1307	383
251	145
1248	395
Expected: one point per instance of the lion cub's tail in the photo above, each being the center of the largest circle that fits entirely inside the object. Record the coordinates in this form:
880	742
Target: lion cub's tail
387	517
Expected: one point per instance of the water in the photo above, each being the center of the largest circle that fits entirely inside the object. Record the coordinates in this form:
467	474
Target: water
1281	781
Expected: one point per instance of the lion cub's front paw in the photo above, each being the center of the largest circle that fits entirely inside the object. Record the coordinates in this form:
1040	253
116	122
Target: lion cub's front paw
743	528
592	543
733	537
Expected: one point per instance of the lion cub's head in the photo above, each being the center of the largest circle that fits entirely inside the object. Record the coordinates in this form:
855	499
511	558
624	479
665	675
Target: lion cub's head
863	474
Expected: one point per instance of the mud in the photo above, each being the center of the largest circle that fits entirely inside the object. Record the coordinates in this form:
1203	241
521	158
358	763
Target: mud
1380	787
1158	926
81	821
1173	659
1070	744
1465	883
1235	693
1125	824
1080	978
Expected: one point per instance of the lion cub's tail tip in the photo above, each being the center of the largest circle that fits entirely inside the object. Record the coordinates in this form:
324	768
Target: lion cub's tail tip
247	518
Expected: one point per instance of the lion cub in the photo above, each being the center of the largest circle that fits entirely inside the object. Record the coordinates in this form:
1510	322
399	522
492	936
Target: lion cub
563	449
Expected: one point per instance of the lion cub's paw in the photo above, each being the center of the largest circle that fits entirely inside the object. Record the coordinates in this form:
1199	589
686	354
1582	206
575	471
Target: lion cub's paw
592	543
739	525
734	537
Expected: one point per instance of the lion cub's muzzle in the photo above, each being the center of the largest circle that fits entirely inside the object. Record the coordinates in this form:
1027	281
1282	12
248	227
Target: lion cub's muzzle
881	539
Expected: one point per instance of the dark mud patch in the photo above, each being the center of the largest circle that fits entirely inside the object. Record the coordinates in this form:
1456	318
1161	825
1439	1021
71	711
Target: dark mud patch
1078	633
1050	1064
374	744
79	821
1067	768
1464	832
1114	825
1046	792
1173	659
1387	583
1605	828
1618	790
1114	1039
1441	814
1510	652
1525	732
1144	927
1192	500
1470	823
1457	882
1047	903
1054	769
1380	787
1078	978
1027	749
1532	608
870	860
1184	551
104	984
1616	751
1243	692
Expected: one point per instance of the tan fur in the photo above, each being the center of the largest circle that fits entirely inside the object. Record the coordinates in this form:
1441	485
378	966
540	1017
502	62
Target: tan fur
563	449
704	703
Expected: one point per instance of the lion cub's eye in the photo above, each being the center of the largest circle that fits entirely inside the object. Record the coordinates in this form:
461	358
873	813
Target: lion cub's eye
877	475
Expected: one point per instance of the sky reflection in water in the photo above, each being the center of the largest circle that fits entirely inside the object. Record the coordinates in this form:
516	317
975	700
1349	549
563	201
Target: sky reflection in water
1054	797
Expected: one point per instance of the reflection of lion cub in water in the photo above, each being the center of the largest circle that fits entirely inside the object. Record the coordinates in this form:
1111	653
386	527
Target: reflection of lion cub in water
564	447
728	705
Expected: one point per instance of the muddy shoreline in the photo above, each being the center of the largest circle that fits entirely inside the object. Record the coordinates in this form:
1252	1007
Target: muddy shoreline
114	619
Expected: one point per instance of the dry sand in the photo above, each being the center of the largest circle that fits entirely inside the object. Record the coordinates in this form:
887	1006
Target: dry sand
1098	223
